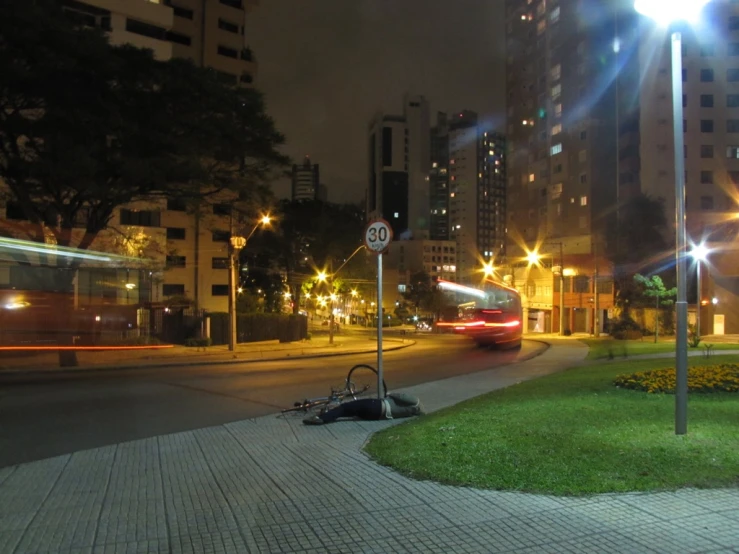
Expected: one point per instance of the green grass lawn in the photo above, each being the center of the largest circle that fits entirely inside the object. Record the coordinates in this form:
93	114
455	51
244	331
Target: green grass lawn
572	433
599	348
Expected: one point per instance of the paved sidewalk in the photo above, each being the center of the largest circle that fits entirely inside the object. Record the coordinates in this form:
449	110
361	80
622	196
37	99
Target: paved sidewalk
183	356
274	485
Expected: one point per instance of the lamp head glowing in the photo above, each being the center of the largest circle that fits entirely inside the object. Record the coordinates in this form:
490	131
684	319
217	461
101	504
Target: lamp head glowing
488	269
265	220
665	12
322	276
699	252
533	258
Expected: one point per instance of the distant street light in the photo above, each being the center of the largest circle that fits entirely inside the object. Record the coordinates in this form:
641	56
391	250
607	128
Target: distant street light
666	13
328	277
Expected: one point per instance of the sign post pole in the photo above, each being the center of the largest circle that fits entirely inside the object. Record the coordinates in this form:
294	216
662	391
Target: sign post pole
377	237
380	392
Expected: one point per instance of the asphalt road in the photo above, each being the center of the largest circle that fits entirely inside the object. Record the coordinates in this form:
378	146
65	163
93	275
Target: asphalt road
48	415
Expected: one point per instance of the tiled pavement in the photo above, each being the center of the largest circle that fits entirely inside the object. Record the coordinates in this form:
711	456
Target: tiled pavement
273	485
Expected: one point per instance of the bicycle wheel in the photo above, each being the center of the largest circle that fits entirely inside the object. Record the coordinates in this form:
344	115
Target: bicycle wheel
362	381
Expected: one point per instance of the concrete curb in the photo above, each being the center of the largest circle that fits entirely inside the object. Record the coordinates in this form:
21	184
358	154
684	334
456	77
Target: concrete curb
171	364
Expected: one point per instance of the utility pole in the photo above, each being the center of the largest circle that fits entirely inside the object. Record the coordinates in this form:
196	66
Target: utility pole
596	303
331	303
561	291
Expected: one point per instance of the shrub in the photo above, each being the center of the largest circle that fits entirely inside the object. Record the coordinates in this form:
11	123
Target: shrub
694	338
567	333
713	378
625	329
200	343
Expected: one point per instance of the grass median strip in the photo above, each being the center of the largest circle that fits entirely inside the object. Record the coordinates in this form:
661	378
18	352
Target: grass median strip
605	348
572	433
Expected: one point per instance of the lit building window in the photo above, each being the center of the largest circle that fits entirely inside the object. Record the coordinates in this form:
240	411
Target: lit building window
532	177
556	91
558	110
554	15
557	129
556	72
556	149
583	200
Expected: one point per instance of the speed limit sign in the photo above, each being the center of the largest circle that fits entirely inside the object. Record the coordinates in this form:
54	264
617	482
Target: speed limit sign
377	236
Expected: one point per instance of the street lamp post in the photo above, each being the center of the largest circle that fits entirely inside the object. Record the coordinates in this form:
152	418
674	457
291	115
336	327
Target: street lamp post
236	243
533	258
699	253
667	12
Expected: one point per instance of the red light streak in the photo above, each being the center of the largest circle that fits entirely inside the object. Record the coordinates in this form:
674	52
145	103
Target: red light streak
80	348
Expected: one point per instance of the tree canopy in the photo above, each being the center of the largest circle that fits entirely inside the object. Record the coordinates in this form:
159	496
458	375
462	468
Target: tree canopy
86	127
637	243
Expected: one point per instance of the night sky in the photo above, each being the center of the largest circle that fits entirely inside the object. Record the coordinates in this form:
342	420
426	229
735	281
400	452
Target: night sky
326	66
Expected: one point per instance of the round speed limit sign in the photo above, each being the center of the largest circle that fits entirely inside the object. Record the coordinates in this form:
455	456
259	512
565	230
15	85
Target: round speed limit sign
377	236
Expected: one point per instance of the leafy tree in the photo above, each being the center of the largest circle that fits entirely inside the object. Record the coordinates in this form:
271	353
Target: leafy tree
424	295
86	128
636	242
653	287
420	288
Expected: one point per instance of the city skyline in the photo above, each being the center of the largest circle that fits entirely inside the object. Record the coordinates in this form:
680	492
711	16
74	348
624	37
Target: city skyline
357	59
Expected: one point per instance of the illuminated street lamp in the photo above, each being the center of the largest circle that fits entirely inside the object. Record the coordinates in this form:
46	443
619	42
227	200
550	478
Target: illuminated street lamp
236	243
488	269
666	13
699	253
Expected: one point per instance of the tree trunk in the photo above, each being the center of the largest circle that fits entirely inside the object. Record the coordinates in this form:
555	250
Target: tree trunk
656	321
66	327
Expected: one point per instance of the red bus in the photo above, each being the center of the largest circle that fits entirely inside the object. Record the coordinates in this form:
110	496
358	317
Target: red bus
491	315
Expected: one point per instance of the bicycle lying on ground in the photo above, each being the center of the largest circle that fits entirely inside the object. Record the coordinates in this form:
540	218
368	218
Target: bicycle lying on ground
360	382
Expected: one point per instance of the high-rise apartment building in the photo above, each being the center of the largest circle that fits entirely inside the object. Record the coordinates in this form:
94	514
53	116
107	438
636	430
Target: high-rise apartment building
564	112
439	180
399	153
477	201
305	181
562	109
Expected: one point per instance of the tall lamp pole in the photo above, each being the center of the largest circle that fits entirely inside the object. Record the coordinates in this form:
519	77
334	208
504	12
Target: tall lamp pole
236	243
699	253
667	12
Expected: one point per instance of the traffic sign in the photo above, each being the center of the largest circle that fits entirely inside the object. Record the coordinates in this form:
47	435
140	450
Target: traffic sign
377	236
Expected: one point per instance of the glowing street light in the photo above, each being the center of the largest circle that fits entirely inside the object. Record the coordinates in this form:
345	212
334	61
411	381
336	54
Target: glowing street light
488	270
665	13
533	257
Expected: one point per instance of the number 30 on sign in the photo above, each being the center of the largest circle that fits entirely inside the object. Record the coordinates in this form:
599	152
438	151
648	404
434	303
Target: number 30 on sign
377	236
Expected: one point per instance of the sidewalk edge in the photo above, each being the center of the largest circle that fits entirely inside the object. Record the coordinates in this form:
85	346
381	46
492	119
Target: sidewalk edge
168	365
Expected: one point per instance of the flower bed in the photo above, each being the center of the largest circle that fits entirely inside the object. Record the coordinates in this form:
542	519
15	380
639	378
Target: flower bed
713	378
